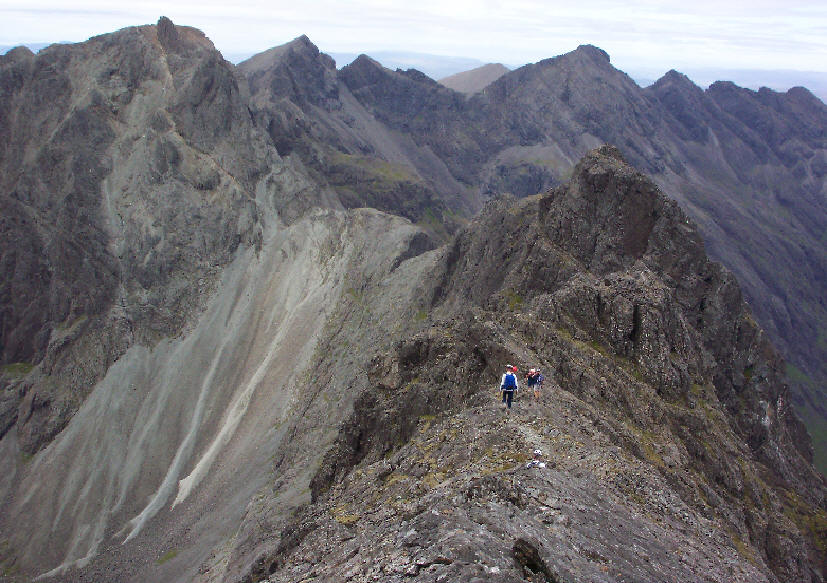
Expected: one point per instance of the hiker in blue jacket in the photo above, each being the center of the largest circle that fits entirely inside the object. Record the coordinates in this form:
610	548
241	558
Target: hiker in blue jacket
509	384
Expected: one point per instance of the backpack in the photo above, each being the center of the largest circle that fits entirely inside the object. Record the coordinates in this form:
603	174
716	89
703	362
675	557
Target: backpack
510	381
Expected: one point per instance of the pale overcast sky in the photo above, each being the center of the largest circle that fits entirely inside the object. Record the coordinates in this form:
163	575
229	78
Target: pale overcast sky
657	35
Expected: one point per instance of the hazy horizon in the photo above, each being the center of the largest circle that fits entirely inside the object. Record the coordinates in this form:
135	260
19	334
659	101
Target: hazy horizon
440	66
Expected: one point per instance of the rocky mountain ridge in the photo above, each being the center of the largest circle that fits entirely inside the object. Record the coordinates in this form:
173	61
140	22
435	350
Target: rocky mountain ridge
428	478
747	166
235	353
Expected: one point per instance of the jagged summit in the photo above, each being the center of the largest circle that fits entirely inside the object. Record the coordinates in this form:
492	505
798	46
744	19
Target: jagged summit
21	52
594	52
296	70
364	67
181	39
582	56
677	79
301	49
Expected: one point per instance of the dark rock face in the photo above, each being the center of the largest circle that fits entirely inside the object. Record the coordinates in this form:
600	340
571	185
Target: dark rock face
311	110
652	359
84	283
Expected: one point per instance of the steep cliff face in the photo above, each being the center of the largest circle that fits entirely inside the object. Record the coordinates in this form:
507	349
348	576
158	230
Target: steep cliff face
753	180
131	174
309	111
669	442
167	277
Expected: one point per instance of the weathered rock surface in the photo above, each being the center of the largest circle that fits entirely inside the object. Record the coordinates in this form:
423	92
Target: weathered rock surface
176	440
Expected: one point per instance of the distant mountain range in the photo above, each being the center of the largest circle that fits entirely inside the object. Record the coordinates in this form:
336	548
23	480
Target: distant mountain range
441	66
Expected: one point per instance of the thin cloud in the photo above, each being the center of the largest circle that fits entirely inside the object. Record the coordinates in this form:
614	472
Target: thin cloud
749	34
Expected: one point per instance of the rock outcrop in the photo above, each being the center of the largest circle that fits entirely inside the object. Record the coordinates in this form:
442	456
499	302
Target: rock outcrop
309	111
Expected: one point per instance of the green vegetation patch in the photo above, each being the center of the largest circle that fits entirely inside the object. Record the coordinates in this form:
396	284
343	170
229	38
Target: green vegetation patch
743	548
810	520
647	446
599	347
17	369
817	428
815	423
378	170
69	324
821	342
503	461
513	299
796	375
167	556
342	515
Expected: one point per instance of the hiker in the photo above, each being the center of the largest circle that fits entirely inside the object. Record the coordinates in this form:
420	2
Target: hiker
534	380
537	462
509	384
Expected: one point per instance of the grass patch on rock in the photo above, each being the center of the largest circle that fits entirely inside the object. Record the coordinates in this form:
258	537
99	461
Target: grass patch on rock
810	520
342	515
513	299
17	369
167	556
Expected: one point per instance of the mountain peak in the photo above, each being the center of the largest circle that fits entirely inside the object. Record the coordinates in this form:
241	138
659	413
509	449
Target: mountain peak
475	80
593	52
300	49
181	39
583	55
17	53
805	98
606	151
676	79
303	43
363	71
363	61
675	76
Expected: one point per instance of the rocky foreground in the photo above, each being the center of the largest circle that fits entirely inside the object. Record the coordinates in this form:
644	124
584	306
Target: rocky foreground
460	502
